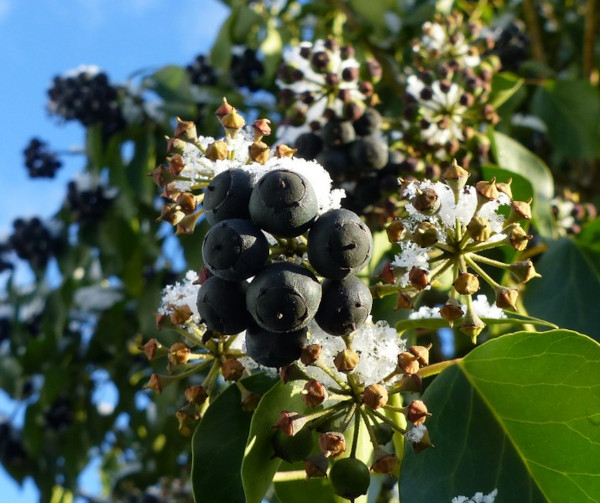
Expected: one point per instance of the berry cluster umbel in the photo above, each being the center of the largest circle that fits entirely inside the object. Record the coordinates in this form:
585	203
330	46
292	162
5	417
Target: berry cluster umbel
282	298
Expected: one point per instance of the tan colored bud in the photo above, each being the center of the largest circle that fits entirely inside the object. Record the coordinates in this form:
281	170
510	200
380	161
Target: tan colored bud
154	349
524	271
427	201
403	301
176	146
425	234
471	325
479	229
423	443
346	360
520	210
285	151
422	353
409	382
185	130
487	191
233	122
313	394
176	164
171	213
217	151
232	369
179	353
417	412
375	396
419	278
310	354
332	444
250	401
466	283
187	224
224	109
408	363
186	202
505	188
196	395
451	311
455	177
158	382
384	463
261	128
518	238
181	314
290	423
259	152
387	273
186	422
161	176
316	465
395	231
506	298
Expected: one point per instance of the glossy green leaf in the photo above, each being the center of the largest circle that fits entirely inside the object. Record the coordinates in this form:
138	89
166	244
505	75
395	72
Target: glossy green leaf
220	54
271	48
568	291
588	242
520	414
259	467
171	83
514	157
218	448
570	110
504	86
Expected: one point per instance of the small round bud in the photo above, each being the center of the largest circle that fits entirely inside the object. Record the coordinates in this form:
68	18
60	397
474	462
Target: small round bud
451	311
466	283
185	130
232	369
375	396
396	231
417	412
455	177
310	354
471	325
384	462
518	238
346	360
506	298
408	363
196	395
427	201
233	122
313	394
487	191
419	278
179	353
217	150
422	353
425	234
316	465
479	229
520	210
332	444
523	271
259	152
505	188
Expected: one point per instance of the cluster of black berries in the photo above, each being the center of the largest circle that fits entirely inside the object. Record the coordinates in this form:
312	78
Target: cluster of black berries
277	305
358	159
40	161
512	45
60	414
201	72
90	202
246	69
88	97
33	241
12	450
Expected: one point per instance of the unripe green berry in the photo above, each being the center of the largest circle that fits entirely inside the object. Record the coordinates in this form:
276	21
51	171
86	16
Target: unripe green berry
350	478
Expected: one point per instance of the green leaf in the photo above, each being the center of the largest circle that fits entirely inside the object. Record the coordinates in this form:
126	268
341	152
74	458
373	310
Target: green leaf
588	242
271	47
514	157
220	54
504	86
316	490
570	109
521	414
259	467
568	291
218	448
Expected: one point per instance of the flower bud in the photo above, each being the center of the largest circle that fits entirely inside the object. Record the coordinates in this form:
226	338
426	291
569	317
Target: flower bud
479	229
261	128
518	238
395	231
409	382
451	311
471	325
375	396
346	360
310	354
427	201
171	213
455	177
423	442
186	130
417	412
250	401
285	151
422	353
187	224
403	301
292	372
332	444
316	465
519	210
233	122
259	152
419	278
408	363
232	369
186	202
505	188
176	164
154	349
506	298
313	394
176	146
186	421
159	382
290	423
179	353
486	191
224	109
181	314
425	234
217	151
523	271
384	463
466	283
196	395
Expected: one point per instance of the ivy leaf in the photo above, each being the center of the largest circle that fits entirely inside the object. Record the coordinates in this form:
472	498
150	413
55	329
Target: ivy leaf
570	109
218	447
171	83
504	86
259	466
568	291
512	156
521	414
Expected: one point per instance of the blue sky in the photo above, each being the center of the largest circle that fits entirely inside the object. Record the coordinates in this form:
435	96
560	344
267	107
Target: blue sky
42	38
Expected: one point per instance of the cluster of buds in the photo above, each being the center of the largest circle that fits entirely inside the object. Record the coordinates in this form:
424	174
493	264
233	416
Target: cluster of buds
447	94
193	161
448	227
571	214
320	80
353	384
